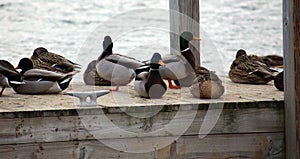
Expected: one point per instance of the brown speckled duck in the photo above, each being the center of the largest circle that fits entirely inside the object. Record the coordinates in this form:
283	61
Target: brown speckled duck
269	60
91	77
248	70
207	84
43	59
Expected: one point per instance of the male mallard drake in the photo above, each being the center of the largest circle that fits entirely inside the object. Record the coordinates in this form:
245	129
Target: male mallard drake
40	81
207	84
118	69
180	67
245	70
91	77
8	75
279	81
150	84
43	59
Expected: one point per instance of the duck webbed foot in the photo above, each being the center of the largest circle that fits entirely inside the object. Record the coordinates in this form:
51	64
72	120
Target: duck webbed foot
2	90
116	88
171	86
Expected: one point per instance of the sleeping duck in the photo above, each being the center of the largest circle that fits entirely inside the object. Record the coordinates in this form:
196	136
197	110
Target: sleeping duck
43	59
207	84
273	60
8	75
269	60
91	77
149	84
180	67
118	69
246	70
40	81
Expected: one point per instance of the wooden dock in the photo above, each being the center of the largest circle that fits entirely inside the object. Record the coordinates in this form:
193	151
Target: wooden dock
247	122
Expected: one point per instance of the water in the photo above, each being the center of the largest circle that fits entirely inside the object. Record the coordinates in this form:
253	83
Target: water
74	28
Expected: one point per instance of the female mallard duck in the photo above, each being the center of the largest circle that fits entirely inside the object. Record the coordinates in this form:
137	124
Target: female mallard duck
180	67
91	77
118	69
8	75
150	84
43	59
207	84
279	81
269	60
40	81
273	60
245	70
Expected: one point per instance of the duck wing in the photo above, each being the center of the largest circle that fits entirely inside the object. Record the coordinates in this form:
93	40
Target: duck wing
125	61
57	61
8	70
45	75
174	58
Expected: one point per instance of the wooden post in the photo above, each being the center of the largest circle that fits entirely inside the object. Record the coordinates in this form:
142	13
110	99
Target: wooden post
291	31
184	16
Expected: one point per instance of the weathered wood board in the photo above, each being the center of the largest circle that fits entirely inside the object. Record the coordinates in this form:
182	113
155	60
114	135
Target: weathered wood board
126	97
245	123
254	146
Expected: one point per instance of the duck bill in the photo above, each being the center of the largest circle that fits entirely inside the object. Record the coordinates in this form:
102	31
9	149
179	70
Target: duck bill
18	67
280	66
161	63
196	38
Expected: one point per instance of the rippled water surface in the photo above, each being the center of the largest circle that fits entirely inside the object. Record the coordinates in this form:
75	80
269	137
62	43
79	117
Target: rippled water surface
75	28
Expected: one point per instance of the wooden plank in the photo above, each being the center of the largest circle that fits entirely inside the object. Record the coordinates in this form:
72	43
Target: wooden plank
185	16
15	105
291	24
83	127
263	145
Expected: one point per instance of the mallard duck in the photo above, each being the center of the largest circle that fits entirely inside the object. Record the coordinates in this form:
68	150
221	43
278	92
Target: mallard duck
40	81
150	84
91	77
279	81
273	60
245	70
118	69
43	59
180	67
207	84
8	75
269	60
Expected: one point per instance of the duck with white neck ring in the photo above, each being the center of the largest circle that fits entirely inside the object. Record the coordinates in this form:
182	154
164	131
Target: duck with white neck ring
180	67
149	84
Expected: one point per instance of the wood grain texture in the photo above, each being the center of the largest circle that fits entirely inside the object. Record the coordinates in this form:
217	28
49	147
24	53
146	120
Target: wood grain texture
70	128
296	43
264	145
185	16
14	105
291	40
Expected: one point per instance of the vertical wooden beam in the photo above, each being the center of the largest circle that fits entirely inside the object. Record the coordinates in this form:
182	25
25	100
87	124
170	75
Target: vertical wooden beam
185	16
291	40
